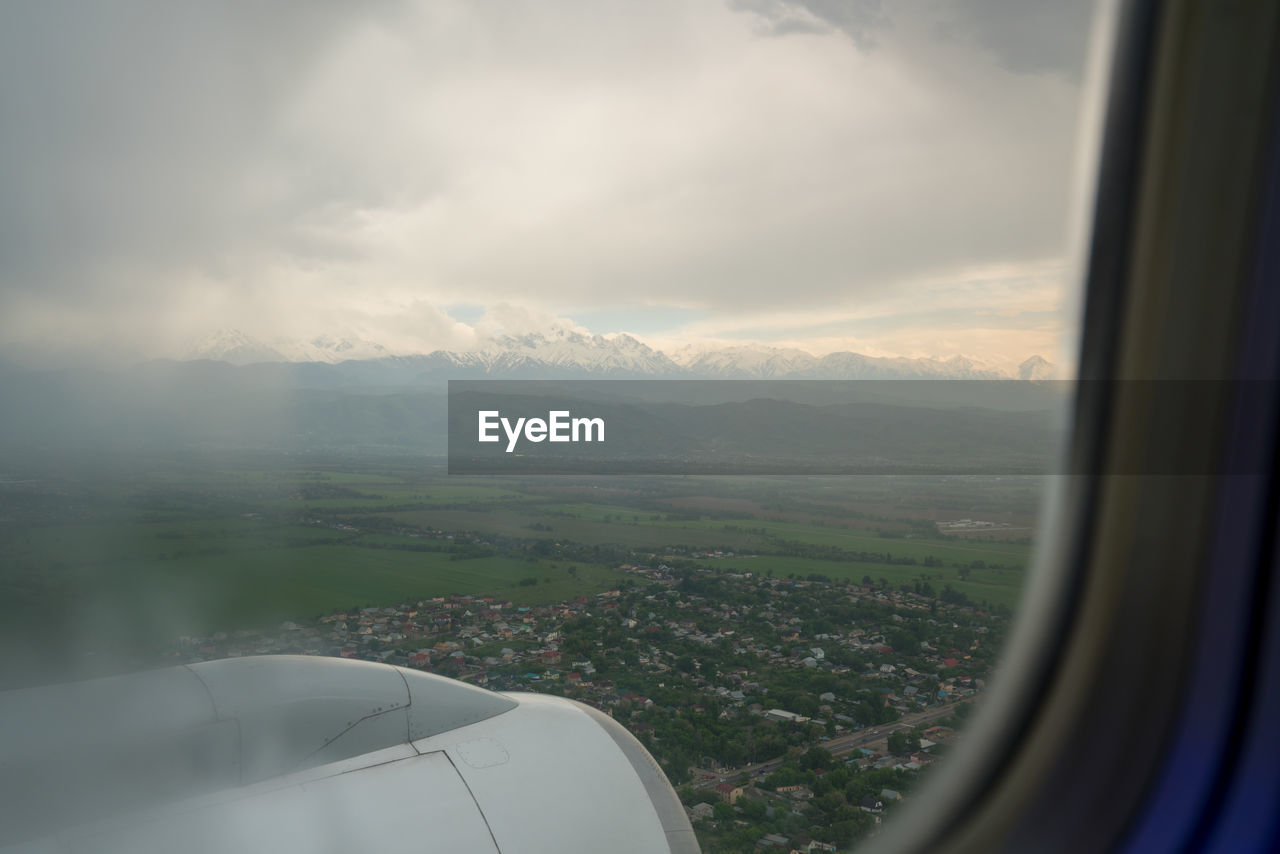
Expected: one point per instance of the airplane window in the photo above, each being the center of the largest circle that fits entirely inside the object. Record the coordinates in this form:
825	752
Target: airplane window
802	279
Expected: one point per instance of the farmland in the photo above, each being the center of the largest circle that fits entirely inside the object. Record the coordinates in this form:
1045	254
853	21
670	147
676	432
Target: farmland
139	554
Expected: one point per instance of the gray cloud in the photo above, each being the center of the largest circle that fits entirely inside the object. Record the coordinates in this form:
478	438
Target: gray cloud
169	167
138	129
857	19
1026	36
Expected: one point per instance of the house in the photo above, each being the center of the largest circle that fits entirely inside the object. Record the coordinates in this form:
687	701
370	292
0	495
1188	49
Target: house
784	715
729	792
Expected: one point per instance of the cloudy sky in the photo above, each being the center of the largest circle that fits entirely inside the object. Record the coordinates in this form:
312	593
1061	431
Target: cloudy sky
888	177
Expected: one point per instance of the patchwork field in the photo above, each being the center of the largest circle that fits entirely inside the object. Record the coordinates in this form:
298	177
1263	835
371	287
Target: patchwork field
214	545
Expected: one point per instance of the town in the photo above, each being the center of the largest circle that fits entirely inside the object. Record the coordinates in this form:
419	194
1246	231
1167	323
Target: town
793	714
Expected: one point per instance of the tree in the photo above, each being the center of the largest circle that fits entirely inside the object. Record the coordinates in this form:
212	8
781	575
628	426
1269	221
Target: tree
816	757
897	743
677	767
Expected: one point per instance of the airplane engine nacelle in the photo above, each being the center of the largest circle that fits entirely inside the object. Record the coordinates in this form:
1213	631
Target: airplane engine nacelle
303	754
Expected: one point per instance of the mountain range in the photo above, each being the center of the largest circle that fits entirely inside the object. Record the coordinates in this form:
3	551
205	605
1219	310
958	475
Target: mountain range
564	353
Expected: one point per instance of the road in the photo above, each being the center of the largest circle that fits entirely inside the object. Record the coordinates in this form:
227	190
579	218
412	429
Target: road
837	746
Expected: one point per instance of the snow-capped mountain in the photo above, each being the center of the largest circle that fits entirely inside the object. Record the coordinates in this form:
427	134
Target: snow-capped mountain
234	347
332	349
855	366
565	353
240	348
755	361
1036	368
567	348
759	361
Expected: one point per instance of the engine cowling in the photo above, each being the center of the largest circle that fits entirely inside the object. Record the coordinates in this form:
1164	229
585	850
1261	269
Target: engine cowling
297	753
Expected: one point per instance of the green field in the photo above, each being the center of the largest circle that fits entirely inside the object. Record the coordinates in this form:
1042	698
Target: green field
179	549
257	587
996	587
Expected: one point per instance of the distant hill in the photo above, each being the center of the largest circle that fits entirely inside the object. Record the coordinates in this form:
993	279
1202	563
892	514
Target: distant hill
387	406
332	392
